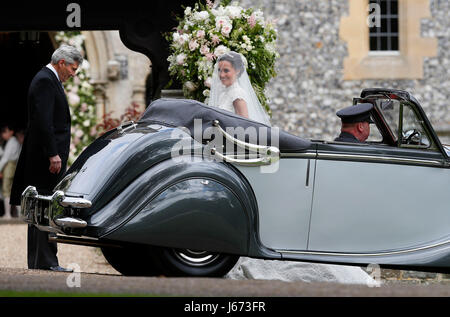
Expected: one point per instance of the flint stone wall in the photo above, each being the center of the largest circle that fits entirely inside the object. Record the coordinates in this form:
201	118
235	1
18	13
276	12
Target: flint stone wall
309	88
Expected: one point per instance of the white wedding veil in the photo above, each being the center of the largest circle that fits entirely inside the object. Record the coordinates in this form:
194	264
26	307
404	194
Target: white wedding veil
255	110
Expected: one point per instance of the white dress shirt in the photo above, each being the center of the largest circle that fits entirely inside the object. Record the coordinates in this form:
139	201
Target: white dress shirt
49	66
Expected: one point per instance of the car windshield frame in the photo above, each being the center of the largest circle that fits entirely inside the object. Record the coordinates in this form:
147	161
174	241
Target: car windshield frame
392	135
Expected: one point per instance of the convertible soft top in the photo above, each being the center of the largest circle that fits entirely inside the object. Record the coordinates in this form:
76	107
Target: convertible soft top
183	112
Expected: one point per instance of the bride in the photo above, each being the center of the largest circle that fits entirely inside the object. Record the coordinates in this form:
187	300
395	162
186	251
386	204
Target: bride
231	89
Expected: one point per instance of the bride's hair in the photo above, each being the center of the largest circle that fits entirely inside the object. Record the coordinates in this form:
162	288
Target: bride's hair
235	60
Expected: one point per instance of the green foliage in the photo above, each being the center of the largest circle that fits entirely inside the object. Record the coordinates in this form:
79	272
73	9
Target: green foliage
204	33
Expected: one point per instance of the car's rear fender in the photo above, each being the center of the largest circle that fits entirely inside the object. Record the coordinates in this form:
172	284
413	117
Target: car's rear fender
189	203
111	163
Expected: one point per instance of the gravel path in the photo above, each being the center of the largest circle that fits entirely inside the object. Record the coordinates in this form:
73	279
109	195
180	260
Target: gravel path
99	277
89	259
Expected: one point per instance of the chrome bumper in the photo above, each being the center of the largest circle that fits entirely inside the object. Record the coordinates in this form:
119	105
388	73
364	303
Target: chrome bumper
52	213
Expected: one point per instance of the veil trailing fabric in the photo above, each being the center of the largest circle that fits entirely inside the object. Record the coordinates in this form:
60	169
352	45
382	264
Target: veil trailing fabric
243	88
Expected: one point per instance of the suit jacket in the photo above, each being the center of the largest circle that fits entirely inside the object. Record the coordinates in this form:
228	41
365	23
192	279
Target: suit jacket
347	137
47	135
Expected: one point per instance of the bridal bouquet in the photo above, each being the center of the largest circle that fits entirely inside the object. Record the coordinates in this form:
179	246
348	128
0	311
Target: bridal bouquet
206	32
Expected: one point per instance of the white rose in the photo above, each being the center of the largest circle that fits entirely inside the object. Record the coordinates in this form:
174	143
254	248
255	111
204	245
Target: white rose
222	20
208	82
79	133
201	16
187	11
85	65
206	92
183	38
226	29
190	86
181	58
233	12
219	11
259	16
204	49
86	123
74	99
176	36
220	50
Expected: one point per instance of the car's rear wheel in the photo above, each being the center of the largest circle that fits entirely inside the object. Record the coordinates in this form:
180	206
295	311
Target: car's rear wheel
132	260
186	262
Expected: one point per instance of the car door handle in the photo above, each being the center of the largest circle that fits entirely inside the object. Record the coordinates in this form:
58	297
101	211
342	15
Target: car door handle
308	169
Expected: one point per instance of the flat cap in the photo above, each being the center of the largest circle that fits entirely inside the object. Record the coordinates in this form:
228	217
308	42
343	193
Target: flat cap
357	113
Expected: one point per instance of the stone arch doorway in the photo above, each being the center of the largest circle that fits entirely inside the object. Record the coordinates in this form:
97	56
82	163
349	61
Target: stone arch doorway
97	51
21	58
117	73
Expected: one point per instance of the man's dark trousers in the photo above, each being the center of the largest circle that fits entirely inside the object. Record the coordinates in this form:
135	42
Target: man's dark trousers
47	135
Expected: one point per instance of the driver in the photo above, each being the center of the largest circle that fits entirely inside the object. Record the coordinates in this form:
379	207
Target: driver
355	123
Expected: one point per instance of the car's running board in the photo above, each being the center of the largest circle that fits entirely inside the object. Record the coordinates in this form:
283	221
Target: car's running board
86	241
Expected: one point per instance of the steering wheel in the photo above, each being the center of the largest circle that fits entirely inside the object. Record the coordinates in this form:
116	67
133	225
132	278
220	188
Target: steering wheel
409	136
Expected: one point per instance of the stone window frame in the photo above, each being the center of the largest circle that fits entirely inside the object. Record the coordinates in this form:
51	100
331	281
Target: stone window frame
385	39
406	63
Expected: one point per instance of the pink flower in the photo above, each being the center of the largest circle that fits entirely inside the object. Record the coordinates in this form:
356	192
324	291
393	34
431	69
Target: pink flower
252	20
226	29
193	45
204	49
93	131
210	56
215	39
200	34
221	21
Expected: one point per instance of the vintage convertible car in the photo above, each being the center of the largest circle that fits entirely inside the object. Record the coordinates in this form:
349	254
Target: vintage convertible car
188	189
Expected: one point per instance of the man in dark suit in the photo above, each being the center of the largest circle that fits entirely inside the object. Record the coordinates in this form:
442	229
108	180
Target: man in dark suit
356	122
45	151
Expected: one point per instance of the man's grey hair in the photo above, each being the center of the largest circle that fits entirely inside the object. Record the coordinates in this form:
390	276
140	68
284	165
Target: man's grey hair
67	52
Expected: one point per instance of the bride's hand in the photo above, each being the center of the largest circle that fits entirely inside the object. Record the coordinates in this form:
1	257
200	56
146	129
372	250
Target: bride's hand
240	106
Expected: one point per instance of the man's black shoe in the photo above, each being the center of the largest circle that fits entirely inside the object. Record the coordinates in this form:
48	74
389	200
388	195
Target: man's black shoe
60	269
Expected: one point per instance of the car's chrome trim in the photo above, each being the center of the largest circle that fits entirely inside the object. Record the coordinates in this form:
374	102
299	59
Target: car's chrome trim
367	158
307	155
36	208
69	222
131	125
387	253
75	202
376	158
265	155
242	161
